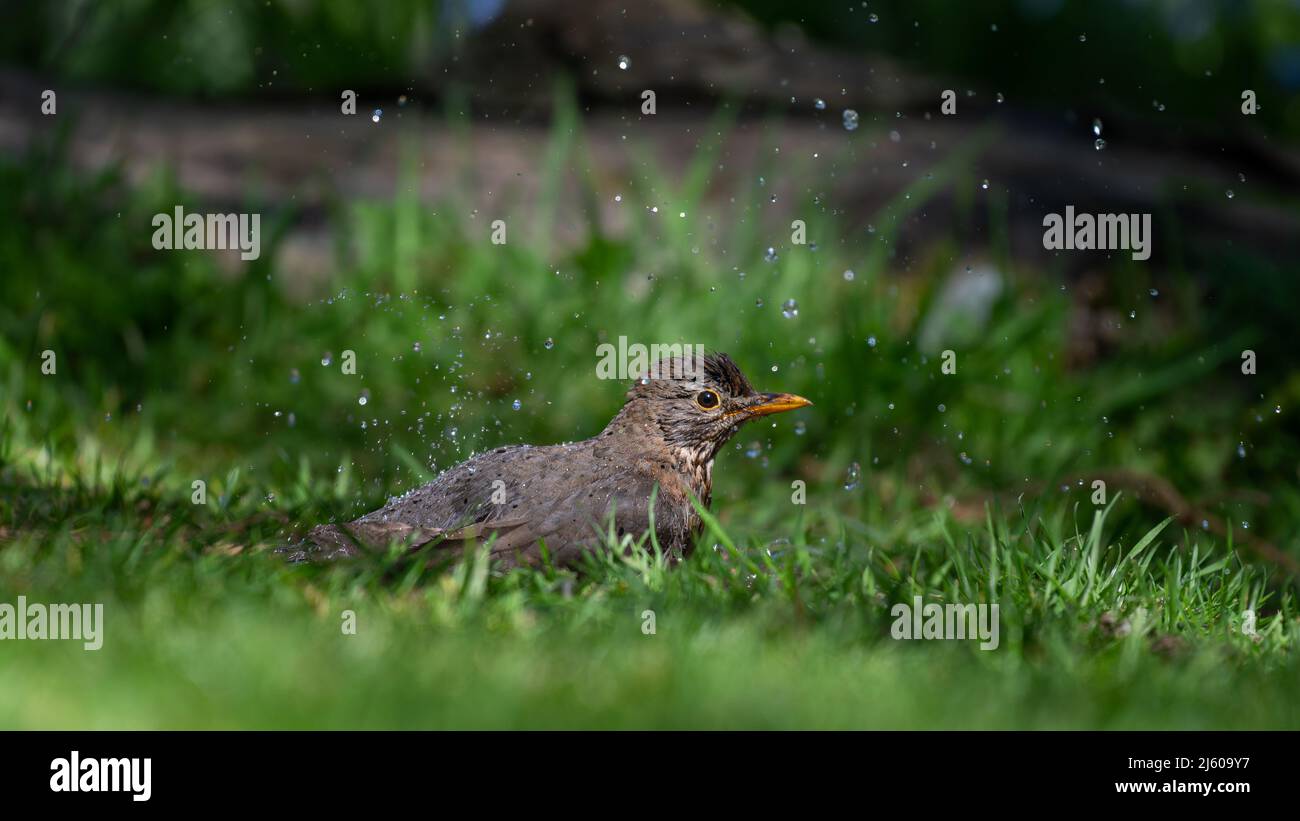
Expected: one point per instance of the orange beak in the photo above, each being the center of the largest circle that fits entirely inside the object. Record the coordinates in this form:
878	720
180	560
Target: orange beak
777	403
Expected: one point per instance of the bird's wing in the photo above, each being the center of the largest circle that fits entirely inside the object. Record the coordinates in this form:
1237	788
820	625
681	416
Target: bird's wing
568	512
328	542
577	521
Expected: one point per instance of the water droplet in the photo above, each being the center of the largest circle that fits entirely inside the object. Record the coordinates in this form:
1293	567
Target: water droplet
850	120
327	359
362	399
790	309
800	428
819	104
294	376
873	18
758	303
1241	450
1231	194
851	476
1154	292
985	185
753	450
848	275
943	408
374	118
1083	38
1099	144
624	61
549	343
516	405
1096	127
1000	98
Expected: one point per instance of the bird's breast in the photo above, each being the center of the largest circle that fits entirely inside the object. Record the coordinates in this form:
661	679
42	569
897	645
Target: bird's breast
695	466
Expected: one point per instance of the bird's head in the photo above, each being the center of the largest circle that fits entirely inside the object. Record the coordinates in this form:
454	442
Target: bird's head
698	403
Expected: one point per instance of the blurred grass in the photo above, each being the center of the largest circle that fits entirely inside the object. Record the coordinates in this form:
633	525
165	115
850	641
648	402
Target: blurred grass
173	369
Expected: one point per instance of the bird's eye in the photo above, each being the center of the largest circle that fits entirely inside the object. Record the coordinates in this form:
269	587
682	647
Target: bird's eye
707	400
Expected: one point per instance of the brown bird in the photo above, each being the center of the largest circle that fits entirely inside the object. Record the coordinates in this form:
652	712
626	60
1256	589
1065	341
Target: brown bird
665	437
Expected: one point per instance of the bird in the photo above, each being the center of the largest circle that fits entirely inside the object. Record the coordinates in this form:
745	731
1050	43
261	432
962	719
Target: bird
534	504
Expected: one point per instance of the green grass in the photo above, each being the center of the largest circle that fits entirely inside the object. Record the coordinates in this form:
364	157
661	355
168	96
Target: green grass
973	487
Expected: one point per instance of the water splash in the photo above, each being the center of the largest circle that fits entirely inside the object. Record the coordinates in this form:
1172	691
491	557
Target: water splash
852	476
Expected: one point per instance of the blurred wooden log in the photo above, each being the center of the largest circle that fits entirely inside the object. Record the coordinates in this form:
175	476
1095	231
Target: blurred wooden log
304	152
